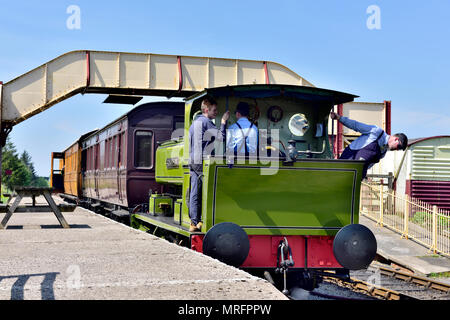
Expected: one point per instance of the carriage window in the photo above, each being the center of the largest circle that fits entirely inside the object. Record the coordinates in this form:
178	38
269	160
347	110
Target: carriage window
143	141
112	142
178	127
123	150
178	122
106	153
114	153
89	158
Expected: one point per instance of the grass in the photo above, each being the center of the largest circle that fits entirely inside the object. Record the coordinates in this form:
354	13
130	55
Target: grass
420	218
439	275
4	190
423	218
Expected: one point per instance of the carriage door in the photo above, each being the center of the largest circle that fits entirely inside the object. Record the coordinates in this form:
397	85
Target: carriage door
96	168
118	163
57	175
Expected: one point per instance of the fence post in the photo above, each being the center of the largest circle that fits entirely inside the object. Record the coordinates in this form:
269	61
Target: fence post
406	218
380	222
434	246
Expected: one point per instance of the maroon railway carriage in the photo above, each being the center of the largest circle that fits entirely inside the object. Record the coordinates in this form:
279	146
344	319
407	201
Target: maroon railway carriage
118	161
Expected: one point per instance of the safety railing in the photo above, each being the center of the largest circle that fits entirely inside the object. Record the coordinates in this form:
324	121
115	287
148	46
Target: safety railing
410	217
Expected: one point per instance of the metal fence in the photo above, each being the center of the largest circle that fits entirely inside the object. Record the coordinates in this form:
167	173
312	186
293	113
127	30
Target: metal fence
410	217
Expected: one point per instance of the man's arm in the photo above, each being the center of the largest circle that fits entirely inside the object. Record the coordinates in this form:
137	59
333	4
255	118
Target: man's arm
213	131
230	133
219	134
352	124
196	137
253	139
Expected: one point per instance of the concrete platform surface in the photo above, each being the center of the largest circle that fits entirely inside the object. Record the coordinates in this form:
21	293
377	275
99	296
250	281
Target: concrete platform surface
98	258
406	252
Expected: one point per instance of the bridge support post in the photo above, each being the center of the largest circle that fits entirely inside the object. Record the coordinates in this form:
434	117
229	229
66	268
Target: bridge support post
1	147
5	129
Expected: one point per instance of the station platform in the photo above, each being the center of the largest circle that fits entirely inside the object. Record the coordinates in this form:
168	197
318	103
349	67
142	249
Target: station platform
100	259
407	253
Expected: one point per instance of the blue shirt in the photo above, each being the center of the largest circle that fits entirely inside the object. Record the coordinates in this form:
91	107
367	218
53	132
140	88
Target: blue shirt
202	134
369	133
235	137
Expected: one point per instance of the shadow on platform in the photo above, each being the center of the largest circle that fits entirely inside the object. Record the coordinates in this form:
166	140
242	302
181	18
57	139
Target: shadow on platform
17	289
49	226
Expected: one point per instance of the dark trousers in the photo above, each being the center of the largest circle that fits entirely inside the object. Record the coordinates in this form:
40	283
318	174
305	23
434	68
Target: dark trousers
370	154
195	196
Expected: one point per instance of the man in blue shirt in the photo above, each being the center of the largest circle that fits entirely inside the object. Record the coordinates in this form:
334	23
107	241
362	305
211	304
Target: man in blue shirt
373	143
242	130
202	135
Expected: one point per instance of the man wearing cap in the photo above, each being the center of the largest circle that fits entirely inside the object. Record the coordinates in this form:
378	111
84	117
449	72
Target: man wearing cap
242	136
373	143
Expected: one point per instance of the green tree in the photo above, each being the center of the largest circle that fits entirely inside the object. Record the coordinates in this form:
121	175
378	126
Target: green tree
14	171
19	171
26	159
36	181
40	182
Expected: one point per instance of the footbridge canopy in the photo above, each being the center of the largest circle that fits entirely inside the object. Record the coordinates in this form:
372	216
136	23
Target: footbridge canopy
129	74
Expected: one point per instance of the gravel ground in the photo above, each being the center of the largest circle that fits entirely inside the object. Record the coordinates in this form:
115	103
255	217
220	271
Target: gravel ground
332	290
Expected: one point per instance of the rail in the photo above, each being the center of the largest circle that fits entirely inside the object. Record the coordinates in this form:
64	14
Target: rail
410	217
384	282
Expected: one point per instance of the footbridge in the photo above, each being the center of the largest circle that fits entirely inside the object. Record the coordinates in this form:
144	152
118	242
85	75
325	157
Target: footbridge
129	74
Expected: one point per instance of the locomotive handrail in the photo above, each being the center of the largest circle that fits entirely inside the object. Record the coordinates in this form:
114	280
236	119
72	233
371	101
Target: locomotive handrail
313	152
132	74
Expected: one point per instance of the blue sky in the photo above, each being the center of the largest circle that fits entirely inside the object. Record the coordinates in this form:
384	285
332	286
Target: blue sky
326	42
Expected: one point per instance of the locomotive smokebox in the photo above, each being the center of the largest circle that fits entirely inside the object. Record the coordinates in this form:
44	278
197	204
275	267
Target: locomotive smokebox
228	243
355	247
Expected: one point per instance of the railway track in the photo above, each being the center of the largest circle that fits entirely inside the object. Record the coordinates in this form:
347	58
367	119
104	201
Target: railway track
386	283
328	291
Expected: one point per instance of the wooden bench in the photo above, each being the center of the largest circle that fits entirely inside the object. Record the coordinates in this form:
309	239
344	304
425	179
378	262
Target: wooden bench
34	192
38	208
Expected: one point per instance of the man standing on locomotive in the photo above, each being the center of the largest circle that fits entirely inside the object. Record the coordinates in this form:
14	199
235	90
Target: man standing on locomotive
373	143
202	134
